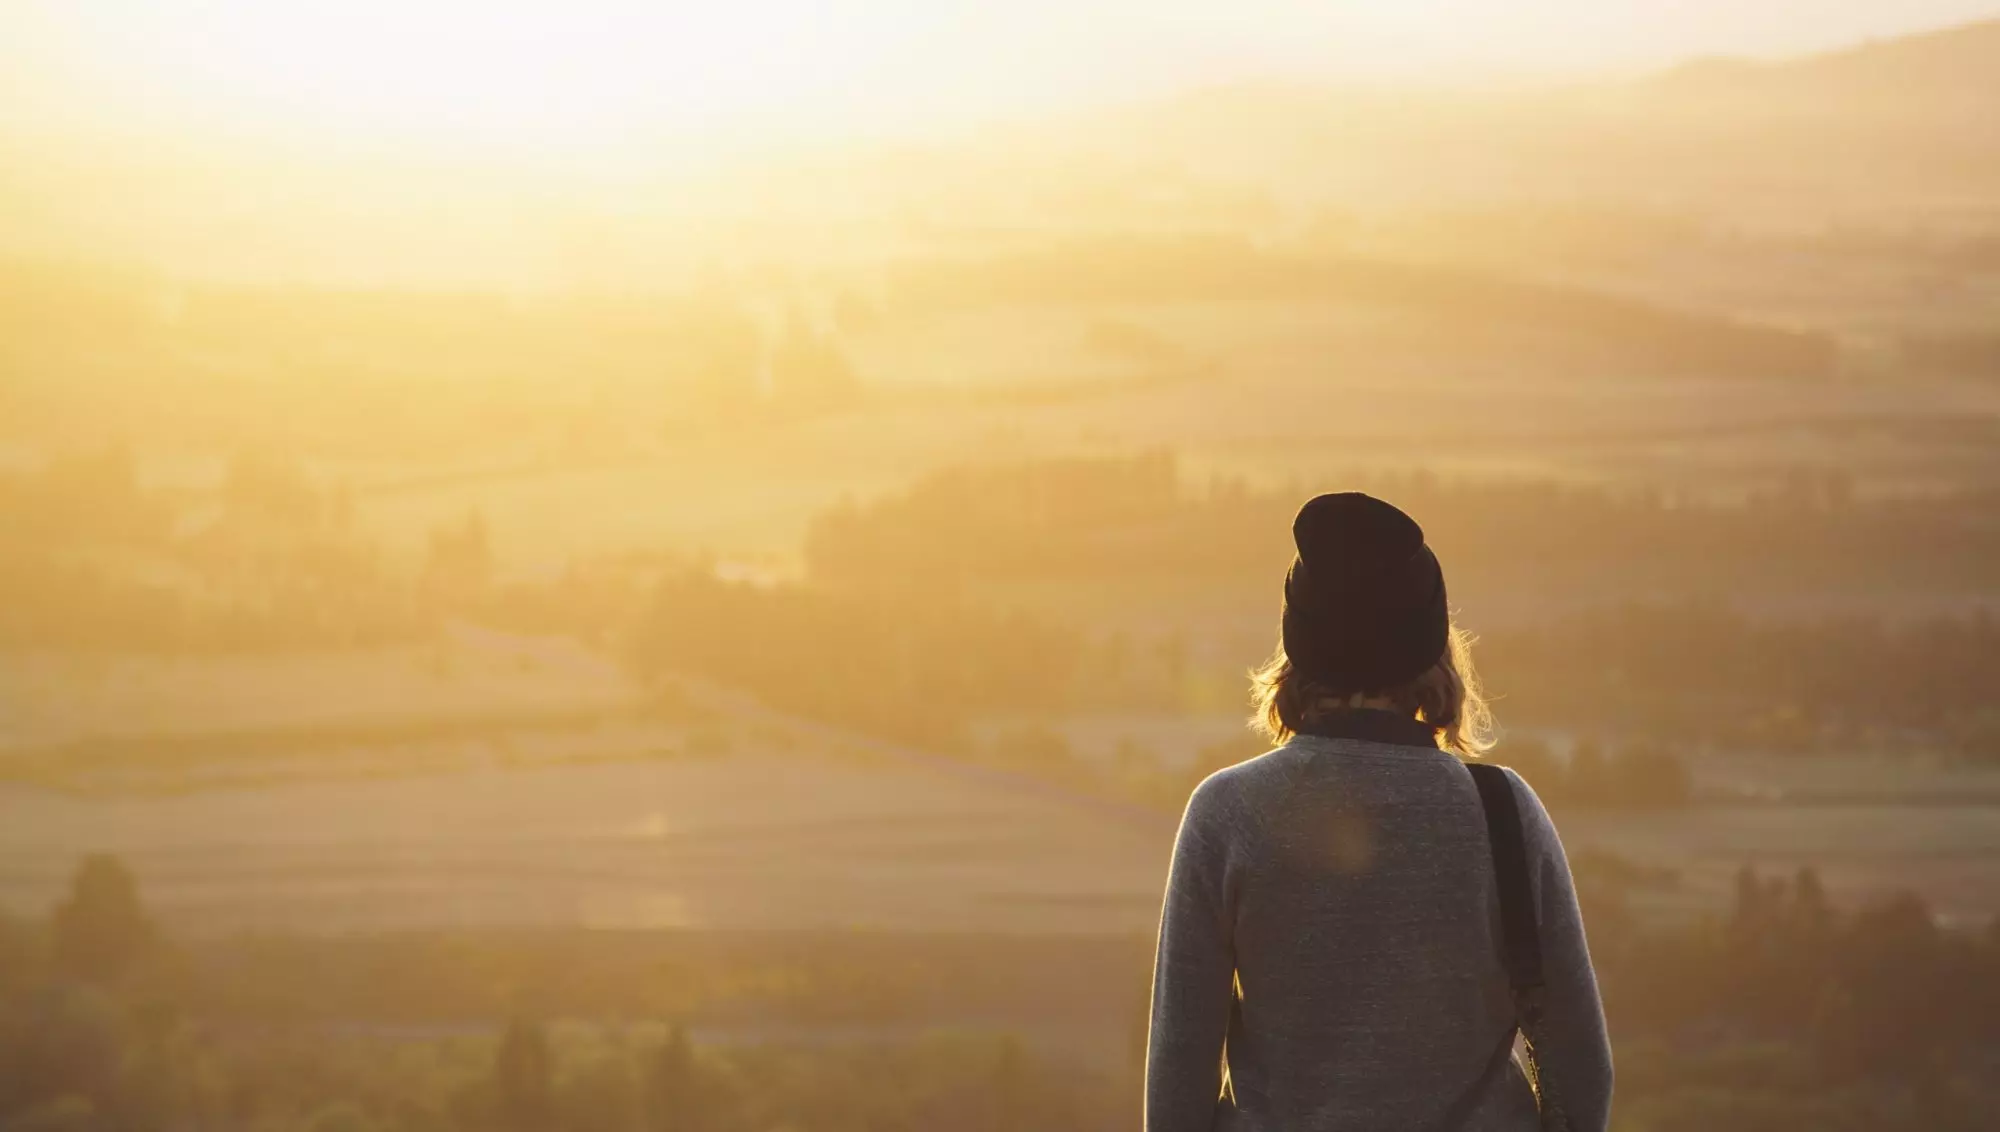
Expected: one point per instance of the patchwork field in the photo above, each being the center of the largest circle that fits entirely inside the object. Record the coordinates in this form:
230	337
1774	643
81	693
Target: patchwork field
756	839
745	819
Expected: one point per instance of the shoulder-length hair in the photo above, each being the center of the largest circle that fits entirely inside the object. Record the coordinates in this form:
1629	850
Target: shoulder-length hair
1447	696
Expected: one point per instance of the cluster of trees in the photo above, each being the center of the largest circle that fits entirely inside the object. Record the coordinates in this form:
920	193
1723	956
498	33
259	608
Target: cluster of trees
1054	518
86	1039
1139	518
1680	665
107	1026
1785	1010
1706	672
981	1085
1788	1012
927	671
1667	677
715	360
91	559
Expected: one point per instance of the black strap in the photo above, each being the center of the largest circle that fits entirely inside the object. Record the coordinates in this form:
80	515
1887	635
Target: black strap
1522	949
1521	943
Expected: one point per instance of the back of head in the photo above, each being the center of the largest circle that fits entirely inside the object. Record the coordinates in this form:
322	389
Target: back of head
1364	600
1366	623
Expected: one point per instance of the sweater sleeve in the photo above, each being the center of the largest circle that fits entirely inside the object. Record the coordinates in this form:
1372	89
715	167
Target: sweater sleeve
1575	1050
1194	976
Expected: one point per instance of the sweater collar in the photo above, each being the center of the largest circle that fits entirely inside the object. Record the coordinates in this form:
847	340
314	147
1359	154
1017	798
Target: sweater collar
1374	725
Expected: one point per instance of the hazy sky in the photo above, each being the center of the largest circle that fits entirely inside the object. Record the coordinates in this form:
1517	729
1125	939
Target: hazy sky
514	67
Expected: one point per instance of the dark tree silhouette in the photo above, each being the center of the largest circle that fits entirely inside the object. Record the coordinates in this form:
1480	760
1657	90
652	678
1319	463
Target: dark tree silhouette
682	1094
100	930
524	1077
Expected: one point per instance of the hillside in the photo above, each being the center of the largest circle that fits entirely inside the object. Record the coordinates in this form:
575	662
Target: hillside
1897	131
1955	68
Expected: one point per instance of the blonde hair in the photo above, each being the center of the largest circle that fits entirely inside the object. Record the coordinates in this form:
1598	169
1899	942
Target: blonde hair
1447	696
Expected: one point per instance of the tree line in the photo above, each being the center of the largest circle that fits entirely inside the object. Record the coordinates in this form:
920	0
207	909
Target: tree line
1787	1011
1706	672
1133	517
107	1026
1782	1009
1678	674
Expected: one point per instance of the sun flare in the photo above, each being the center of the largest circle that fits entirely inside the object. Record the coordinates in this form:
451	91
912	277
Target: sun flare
501	71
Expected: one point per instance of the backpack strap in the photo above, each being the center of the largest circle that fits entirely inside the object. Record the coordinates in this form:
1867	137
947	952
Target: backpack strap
1522	945
1519	926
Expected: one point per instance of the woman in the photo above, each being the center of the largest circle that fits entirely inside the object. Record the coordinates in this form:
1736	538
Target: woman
1329	948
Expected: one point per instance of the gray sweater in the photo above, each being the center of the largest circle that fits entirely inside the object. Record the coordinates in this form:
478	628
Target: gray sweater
1328	954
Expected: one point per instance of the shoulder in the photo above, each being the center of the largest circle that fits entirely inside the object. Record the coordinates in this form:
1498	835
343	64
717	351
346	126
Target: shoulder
1538	829
1223	798
1237	781
1532	810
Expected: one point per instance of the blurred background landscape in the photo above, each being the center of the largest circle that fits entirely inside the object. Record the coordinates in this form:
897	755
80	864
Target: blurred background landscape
607	568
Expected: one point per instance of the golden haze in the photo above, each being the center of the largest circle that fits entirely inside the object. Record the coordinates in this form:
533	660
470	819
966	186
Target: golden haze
562	569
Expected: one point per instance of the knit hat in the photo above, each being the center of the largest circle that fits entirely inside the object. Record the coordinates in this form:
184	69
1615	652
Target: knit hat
1364	600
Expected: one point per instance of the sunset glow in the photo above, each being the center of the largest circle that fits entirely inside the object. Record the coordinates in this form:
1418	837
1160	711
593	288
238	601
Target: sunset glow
624	72
922	565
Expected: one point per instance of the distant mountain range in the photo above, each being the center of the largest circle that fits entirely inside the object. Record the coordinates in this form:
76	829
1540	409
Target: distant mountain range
1959	65
1896	135
1892	132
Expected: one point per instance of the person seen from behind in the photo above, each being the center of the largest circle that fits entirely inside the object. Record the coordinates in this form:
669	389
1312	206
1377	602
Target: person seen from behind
1334	949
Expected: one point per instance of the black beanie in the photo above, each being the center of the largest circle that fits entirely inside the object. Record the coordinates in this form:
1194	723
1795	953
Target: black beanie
1364	600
